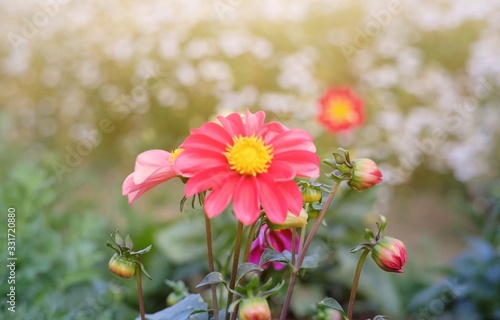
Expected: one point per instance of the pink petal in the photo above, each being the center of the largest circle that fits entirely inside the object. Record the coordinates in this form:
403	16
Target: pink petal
233	124
134	191
305	163
270	130
218	199
272	199
148	162
253	122
292	195
128	184
281	171
213	130
204	141
194	160
246	200
209	179
293	139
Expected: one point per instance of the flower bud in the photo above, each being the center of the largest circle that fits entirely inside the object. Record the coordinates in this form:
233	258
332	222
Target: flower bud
365	174
122	266
291	222
311	194
255	308
389	254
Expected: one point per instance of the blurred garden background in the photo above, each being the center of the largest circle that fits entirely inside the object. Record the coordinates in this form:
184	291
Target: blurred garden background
85	86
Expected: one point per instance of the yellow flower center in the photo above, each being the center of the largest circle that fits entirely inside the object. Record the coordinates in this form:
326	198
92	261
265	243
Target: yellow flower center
340	110
249	155
175	154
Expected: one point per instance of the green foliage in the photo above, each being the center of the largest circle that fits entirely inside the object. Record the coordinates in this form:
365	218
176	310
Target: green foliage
60	267
471	286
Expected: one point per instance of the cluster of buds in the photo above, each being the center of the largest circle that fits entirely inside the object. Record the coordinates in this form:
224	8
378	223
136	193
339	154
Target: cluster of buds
387	252
312	197
125	261
360	174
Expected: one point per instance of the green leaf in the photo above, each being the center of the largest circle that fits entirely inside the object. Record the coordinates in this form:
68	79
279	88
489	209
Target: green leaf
246	268
272	256
212	278
183	310
379	317
310	262
333	304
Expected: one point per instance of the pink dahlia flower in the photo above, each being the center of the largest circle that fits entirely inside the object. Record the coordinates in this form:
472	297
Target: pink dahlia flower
151	168
280	240
249	163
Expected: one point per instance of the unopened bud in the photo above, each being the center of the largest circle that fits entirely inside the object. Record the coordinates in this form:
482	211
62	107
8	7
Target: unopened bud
255	308
389	254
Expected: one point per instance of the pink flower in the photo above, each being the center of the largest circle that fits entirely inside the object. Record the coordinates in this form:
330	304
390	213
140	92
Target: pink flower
389	254
340	109
365	175
151	168
280	240
249	163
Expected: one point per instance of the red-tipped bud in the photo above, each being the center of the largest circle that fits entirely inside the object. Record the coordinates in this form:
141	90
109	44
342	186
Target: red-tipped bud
122	266
365	175
255	308
389	254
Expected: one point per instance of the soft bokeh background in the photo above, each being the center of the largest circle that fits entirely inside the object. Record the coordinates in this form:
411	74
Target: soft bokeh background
87	85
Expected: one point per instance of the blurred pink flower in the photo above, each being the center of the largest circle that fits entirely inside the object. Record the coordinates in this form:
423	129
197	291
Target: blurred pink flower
249	163
280	240
340	109
151	168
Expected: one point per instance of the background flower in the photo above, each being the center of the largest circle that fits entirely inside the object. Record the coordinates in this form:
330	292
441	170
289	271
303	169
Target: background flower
340	110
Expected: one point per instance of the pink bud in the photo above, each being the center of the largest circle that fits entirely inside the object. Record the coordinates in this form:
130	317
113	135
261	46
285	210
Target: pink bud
389	254
365	175
255	308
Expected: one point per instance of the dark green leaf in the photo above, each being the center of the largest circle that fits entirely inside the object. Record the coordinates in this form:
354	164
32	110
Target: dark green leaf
246	268
212	278
333	304
180	311
272	256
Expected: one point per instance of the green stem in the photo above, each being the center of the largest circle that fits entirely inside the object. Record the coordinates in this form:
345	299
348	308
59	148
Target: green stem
248	245
355	282
294	234
236	258
303	251
208	231
139	290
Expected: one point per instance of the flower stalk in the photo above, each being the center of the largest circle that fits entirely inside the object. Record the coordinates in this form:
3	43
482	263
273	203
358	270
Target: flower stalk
211	267
139	289
355	282
303	251
236	258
